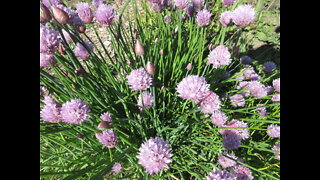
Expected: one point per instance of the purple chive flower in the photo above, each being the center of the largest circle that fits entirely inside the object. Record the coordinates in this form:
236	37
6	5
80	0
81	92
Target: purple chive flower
167	19
106	117
49	3
117	168
217	174
81	52
50	111
226	18
46	60
257	89
242	172
155	155
107	138
246	60
139	79
218	118
248	73
49	40
230	139
273	131
193	87
104	15
198	4
276	85
157	7
243	15
97	3
203	18
269	90
269	66
237	100
75	111
73	15
275	98
242	133
189	10
219	56
276	147
210	103
181	4
145	100
261	110
67	36
243	87
225	161
227	3
84	12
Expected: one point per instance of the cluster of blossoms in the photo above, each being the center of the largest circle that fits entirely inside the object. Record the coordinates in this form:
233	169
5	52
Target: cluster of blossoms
117	168
107	138
74	112
232	137
195	88
219	56
242	16
273	131
49	43
276	86
155	155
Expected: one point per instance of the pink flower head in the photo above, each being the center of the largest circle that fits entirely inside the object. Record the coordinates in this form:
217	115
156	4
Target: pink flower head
107	118
107	138
237	100
155	155
276	85
198	4
104	15
242	133
243	15
139	79
226	18
85	13
75	111
49	40
81	52
243	87
261	110
219	56
181	4
50	111
248	73
217	174
117	168
257	89
203	18
189	10
226	162
273	131
73	15
67	36
227	3
242	172
210	103
269	90
276	98
46	60
97	3
276	147
145	100
218	118
193	87
49	3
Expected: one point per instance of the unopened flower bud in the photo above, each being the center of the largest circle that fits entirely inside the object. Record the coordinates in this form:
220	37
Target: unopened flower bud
44	14
81	28
60	15
161	52
61	49
79	72
138	48
103	125
150	68
189	67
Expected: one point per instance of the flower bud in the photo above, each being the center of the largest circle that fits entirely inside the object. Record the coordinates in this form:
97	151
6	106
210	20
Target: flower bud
44	14
81	28
102	125
79	72
161	52
150	68
189	67
61	49
138	48
60	15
